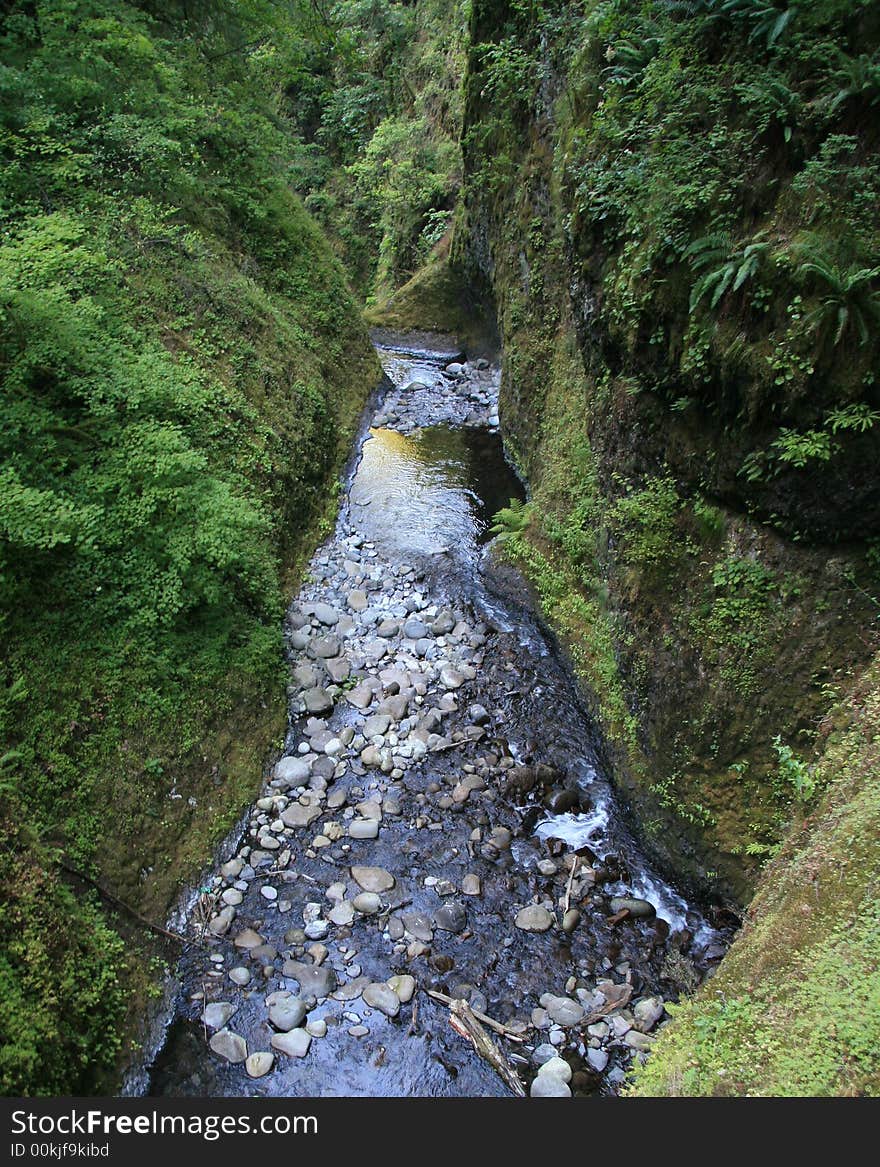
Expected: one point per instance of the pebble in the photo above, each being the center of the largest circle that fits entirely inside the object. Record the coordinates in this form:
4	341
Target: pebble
367	903
404	986
240	975
248	938
470	885
288	1014
373	878
218	1013
382	997
562	1010
259	1064
313	980
295	1043
363	829
229	1045
635	907
533	918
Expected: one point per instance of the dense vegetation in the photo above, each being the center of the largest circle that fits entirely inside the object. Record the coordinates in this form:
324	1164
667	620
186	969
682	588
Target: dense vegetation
181	365
674	209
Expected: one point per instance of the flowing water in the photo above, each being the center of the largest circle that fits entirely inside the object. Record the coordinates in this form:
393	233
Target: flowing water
436	739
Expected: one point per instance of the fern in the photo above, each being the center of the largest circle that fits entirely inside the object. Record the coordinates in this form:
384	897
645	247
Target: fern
732	270
511	520
849	302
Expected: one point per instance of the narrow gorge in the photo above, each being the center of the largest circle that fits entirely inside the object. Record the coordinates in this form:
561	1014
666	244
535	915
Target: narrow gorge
440	548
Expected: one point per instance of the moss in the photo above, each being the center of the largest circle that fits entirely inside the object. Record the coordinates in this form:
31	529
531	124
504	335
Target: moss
795	1007
436	299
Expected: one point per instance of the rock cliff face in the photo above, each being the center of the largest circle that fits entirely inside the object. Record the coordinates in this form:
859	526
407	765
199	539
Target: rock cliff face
648	205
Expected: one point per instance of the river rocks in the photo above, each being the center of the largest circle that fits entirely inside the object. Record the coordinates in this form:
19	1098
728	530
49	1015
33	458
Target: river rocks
373	878
552	1080
288	1013
221	923
635	907
357	600
294	1043
533	918
404	986
229	1045
363	829
301	814
317	701
361	696
293	771
367	903
259	1064
324	614
416	721
562	1010
570	920
343	914
419	926
647	1012
314	981
452	917
463	789
218	1013
248	938
382	997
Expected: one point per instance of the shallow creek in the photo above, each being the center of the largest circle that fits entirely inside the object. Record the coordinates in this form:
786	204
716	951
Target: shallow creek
440	820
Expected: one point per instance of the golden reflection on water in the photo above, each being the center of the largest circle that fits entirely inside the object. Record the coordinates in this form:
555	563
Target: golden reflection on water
411	491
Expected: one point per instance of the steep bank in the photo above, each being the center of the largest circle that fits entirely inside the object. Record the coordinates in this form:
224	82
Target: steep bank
671	209
183	366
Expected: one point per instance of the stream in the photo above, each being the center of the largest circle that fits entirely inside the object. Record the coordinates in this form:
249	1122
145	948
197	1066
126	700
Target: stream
440	822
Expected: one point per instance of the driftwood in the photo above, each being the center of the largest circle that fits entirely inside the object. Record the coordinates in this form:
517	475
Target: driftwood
567	902
465	1021
504	1030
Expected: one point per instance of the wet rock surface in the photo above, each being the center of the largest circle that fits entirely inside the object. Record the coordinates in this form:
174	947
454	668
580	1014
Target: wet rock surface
405	843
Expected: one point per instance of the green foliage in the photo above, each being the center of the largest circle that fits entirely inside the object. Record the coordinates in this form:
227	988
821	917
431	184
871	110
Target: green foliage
792	772
511	520
849	300
646	519
732	270
180	358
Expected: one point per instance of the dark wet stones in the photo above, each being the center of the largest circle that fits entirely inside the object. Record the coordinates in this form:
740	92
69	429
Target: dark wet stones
561	801
314	980
451	917
635	907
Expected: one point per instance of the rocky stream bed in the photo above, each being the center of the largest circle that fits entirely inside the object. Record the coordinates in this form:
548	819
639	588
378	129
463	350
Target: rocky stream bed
436	892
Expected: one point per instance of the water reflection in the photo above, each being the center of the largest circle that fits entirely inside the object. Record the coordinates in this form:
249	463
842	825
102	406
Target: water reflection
432	491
